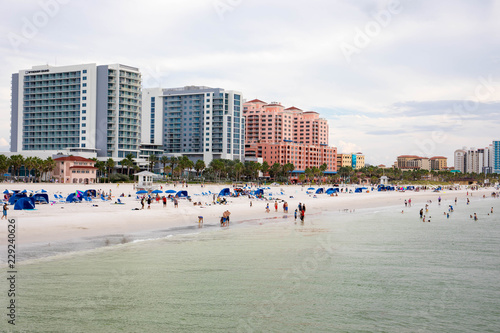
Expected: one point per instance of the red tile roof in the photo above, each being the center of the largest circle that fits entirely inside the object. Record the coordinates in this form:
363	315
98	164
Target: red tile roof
438	157
256	101
72	159
293	108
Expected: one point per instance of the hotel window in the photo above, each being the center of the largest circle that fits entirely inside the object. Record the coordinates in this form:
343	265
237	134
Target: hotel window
84	71
84	78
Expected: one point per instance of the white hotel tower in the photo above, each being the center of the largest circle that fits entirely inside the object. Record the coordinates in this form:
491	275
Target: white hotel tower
77	109
196	121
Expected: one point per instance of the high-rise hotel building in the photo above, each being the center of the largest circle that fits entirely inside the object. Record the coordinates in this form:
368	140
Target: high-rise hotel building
196	121
279	135
79	108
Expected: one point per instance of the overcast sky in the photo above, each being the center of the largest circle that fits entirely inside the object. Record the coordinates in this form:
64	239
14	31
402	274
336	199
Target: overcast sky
391	77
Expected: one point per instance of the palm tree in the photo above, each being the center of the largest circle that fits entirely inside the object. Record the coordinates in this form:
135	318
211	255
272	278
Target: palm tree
185	163
265	168
309	174
110	164
48	166
16	161
4	164
238	168
153	159
275	170
29	164
199	166
173	161
287	169
101	167
164	161
217	165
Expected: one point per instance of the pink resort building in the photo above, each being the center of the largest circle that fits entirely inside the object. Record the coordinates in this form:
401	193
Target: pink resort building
75	169
279	135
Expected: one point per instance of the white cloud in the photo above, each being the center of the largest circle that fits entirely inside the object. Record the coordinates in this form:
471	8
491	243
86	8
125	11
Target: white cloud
277	50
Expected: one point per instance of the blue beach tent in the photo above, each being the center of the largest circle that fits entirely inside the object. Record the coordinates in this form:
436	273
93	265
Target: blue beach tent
182	194
25	203
41	198
73	198
90	193
332	190
320	190
224	192
13	199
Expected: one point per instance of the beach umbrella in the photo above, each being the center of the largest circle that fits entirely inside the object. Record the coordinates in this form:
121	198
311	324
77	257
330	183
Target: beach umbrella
41	191
141	192
8	192
157	191
26	191
170	191
310	188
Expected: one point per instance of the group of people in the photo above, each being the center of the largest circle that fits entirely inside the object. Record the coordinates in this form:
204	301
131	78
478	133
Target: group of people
224	220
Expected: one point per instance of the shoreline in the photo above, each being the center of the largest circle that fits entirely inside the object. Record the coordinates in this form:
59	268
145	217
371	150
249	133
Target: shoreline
70	227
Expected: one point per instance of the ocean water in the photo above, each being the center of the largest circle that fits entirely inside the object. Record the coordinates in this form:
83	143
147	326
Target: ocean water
363	271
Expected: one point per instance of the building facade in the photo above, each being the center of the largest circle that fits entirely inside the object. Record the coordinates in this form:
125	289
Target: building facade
355	161
413	162
75	169
477	160
495	156
287	135
199	122
87	108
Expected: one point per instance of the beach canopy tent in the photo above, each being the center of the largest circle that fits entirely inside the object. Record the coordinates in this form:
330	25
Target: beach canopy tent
13	199
182	194
25	203
360	189
320	190
332	190
224	192
258	191
90	193
73	198
170	191
8	192
41	197
41	191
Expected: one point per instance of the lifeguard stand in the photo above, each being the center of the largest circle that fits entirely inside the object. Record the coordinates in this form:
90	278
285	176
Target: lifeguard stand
144	180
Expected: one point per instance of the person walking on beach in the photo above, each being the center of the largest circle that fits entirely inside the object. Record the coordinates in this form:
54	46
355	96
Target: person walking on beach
406	203
5	209
142	203
164	199
267	208
276	206
468	201
304	207
475	217
439	200
421	212
295	214
300	207
176	203
302	214
149	202
491	210
409	202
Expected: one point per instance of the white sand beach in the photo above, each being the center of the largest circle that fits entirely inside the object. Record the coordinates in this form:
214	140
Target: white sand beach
59	221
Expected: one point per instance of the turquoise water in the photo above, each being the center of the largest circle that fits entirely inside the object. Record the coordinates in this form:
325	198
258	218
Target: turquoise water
366	271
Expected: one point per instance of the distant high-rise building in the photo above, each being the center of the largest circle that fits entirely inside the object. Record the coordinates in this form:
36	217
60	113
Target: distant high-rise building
78	108
199	122
460	160
496	157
